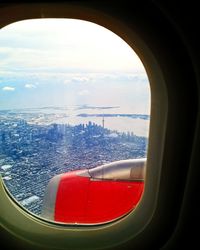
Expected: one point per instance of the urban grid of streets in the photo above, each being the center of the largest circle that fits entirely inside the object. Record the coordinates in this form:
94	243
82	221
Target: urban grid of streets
31	154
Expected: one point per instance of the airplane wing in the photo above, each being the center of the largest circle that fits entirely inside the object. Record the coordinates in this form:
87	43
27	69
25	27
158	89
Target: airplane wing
98	195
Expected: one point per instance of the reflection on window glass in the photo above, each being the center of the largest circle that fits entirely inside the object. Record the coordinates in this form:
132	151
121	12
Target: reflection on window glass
74	120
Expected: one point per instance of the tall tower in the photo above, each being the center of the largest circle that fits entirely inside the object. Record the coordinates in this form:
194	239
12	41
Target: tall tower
103	120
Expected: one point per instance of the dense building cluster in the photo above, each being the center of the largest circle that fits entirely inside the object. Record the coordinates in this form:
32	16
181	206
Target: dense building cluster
30	154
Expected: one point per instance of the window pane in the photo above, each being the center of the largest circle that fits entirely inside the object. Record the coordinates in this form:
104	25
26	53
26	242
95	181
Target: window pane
74	120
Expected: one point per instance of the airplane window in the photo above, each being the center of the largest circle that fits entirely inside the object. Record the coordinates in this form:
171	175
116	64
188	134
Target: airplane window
74	120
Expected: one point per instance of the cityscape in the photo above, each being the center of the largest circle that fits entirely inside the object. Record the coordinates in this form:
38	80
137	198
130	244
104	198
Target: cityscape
31	153
62	109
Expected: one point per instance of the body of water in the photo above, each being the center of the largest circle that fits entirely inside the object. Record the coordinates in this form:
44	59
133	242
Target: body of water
70	115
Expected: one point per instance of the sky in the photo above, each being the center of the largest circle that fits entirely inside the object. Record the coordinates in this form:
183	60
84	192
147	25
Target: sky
66	62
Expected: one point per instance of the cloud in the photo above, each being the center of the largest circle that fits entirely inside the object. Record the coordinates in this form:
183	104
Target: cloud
71	45
7	88
80	79
77	79
30	86
84	92
67	81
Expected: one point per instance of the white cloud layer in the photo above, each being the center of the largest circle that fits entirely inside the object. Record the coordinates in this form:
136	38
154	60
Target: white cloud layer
69	62
29	86
7	88
84	92
31	45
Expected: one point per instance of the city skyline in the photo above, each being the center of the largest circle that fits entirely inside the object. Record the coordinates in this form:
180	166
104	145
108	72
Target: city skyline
30	155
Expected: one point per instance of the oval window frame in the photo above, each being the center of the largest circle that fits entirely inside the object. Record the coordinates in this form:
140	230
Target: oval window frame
27	226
